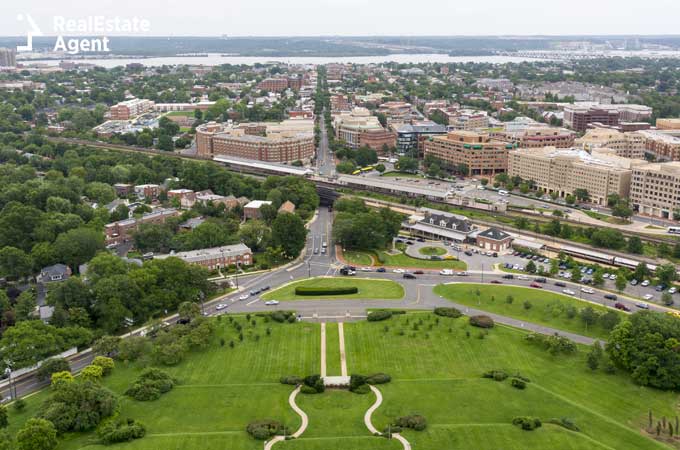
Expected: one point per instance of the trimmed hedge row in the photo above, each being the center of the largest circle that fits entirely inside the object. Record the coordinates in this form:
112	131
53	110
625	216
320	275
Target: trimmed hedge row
448	312
301	290
482	321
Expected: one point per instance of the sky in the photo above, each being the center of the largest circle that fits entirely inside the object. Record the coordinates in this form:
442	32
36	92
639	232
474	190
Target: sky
359	17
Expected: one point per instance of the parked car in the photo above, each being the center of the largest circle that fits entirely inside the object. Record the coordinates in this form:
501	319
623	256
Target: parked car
633	282
645	283
648	297
673	290
660	287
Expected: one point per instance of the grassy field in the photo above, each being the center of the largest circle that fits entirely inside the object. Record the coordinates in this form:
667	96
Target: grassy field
402	175
368	289
547	308
221	390
332	349
432	251
438	376
401	260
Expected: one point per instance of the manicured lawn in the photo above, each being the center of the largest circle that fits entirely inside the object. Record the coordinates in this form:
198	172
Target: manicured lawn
181	113
546	308
439	376
368	289
332	349
432	251
402	175
221	389
402	260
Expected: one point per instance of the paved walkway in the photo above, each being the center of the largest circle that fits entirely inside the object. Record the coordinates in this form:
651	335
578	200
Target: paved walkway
303	416
323	349
343	356
369	424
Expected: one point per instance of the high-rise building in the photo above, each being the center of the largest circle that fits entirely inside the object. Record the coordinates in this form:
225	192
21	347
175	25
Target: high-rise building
480	153
8	57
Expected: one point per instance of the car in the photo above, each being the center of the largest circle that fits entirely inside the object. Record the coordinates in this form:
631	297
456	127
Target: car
323	251
610	296
365	269
508	276
584	269
523	277
398	271
468	253
612	276
645	283
536	286
271	302
495	254
673	290
621	306
380	270
586	290
507	265
515	253
648	297
462	274
418	272
254	292
540	280
409	242
496	282
220	306
515	267
605	276
590	271
316	251
568	292
399	241
446	272
266	288
660	287
420	240
244	297
409	276
633	282
642	305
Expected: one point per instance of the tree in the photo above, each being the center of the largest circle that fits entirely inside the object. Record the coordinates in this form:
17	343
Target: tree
52	365
622	209
152	237
78	406
25	305
598	278
78	246
407	164
289	232
620	283
635	245
57	378
4	417
255	234
666	274
667	299
165	143
189	310
105	363
531	267
345	167
570	199
380	168
594	356
15	263
582	195
37	434
641	272
589	316
101	193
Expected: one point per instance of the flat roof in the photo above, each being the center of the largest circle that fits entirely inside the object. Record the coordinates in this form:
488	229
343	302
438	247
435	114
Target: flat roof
394	186
284	168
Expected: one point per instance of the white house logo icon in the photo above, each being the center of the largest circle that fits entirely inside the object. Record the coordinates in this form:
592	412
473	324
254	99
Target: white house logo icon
34	31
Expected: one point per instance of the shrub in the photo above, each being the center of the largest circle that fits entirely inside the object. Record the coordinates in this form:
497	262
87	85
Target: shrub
293	380
356	380
377	316
362	389
415	422
482	321
19	405
52	365
105	363
150	385
121	431
527	423
282	316
519	384
378	378
315	382
448	312
302	290
92	373
307	389
264	429
565	422
61	377
497	375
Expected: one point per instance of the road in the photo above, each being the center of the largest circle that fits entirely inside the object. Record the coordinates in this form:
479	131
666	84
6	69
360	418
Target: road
325	161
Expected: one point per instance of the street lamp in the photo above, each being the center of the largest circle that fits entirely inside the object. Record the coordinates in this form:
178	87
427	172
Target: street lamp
12	387
309	269
201	296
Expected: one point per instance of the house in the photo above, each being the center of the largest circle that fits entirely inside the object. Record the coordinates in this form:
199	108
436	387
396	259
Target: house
494	240
123	189
252	209
55	273
433	224
216	257
151	191
287	207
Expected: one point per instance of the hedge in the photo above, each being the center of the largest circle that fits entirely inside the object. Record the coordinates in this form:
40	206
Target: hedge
448	312
498	375
292	380
302	290
517	383
481	321
377	316
264	429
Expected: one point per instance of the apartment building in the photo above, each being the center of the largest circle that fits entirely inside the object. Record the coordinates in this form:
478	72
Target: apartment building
252	209
8	57
563	171
482	154
151	191
538	137
339	102
626	145
287	141
359	128
130	108
119	232
216	257
665	147
467	119
280	84
398	112
668	124
655	189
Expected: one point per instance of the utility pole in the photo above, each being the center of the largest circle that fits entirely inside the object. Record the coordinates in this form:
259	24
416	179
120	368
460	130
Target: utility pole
482	273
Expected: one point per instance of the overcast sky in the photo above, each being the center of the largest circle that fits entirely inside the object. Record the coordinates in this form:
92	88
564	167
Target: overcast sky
361	17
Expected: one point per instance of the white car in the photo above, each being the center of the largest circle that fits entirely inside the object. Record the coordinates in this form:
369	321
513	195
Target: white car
605	276
612	276
244	297
672	290
523	277
587	290
271	302
569	292
648	297
645	283
366	269
220	307
399	271
515	267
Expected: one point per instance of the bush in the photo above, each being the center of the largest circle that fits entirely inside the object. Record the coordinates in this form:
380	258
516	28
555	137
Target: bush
497	375
302	290
293	380
121	431
283	316
51	366
482	321
362	389
519	384
264	429
19	405
315	382
448	312
527	423
307	389
150	385
565	422
377	316
105	363
356	380
415	422
378	378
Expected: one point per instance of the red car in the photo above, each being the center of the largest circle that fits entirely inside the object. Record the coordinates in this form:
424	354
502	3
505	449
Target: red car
536	285
419	272
496	282
621	306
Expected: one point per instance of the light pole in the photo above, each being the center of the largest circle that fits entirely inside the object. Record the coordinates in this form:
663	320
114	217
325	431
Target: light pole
482	273
201	296
309	270
12	388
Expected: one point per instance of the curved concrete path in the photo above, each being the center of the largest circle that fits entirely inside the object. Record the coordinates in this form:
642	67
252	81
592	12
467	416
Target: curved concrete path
369	424
303	426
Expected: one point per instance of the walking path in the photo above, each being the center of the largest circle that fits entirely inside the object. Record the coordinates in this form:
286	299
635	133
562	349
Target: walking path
343	358
323	349
303	416
369	424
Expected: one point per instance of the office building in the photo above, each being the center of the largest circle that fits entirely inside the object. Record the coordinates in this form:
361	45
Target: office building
287	141
626	145
359	128
668	124
479	152
578	116
216	257
130	108
664	147
8	57
563	171
655	189
411	137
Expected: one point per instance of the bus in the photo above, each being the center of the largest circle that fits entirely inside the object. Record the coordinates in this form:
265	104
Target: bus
356	172
675	314
674	230
367	169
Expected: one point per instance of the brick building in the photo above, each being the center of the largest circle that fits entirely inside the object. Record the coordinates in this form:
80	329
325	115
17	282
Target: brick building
481	154
121	231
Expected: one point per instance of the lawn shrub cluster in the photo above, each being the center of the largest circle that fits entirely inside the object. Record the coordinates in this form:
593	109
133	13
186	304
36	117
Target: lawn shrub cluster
78	406
377	316
105	363
518	383
150	385
313	384
564	422
293	380
555	343
482	321
497	375
360	384
312	290
283	316
448	312
415	422
527	423
264	429
120	431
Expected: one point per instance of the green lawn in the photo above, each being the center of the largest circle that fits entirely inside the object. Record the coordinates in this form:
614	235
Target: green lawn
438	376
332	349
547	308
368	289
402	175
432	251
181	113
401	260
